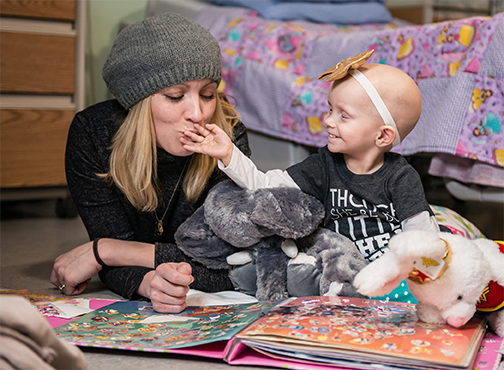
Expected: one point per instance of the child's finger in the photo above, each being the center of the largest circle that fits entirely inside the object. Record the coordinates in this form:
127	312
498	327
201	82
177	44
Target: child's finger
192	135
208	129
201	130
211	127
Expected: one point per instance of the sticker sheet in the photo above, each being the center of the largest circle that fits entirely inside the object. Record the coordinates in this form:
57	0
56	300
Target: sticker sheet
136	326
367	328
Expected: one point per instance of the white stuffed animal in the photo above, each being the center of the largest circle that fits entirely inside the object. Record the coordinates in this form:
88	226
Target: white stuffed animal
450	275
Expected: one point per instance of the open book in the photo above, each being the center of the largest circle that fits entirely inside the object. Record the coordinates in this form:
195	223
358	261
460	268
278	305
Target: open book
317	332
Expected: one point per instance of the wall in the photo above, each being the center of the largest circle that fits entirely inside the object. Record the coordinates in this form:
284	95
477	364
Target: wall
103	20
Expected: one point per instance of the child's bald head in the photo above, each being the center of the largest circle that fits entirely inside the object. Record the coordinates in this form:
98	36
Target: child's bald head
399	93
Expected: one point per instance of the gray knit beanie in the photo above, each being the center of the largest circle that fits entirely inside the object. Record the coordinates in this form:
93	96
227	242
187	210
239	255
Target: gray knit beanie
160	51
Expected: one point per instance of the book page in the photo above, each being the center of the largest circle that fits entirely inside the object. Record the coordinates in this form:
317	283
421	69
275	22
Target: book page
133	325
357	329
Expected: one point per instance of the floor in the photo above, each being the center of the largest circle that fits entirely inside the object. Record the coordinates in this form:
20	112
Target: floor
31	237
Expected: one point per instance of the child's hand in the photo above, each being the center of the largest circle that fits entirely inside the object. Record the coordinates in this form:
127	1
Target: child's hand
210	140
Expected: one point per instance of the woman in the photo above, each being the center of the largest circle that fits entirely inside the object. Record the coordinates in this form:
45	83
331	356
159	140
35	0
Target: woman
127	171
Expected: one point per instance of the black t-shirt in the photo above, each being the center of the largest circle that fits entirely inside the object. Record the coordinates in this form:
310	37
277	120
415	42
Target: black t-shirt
368	209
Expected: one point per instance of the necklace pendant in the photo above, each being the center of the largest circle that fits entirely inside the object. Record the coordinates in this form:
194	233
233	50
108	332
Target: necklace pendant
158	229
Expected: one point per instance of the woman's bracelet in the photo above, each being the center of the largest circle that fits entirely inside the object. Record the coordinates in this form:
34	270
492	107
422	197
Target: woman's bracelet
95	251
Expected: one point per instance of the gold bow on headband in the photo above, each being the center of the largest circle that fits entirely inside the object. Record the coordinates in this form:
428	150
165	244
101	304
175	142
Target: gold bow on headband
340	70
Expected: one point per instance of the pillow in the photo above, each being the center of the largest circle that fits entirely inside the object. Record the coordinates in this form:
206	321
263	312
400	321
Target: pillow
456	223
320	12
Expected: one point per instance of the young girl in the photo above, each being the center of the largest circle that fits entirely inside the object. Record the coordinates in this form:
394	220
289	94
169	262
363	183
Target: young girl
370	194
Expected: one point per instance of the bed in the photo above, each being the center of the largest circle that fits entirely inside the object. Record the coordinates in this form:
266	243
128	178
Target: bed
270	66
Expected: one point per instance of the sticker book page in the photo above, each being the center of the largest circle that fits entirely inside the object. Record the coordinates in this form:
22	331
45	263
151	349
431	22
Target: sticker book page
325	328
136	326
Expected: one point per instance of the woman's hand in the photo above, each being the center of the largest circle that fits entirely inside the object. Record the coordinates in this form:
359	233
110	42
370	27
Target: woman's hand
74	269
167	286
210	140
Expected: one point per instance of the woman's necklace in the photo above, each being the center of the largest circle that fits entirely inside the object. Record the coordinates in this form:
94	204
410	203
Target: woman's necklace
158	228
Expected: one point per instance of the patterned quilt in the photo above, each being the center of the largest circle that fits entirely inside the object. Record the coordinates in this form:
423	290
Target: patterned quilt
271	69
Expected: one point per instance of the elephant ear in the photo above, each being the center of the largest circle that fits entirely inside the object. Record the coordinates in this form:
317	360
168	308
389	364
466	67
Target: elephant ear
195	238
228	209
287	212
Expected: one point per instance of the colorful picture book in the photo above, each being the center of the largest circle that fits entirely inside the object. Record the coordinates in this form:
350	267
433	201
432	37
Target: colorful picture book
345	331
203	331
310	332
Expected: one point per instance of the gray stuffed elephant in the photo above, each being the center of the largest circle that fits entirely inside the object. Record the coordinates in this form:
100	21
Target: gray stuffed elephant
234	220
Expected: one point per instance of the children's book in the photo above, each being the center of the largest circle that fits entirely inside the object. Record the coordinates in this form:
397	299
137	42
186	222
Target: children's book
204	331
301	333
345	331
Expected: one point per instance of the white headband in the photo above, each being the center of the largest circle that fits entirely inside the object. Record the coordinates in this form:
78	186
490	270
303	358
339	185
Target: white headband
377	101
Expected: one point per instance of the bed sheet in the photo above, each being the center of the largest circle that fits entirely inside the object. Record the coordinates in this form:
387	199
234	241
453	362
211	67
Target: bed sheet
271	68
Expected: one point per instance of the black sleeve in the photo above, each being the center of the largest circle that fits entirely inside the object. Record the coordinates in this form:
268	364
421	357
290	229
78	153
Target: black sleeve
310	176
123	280
407	193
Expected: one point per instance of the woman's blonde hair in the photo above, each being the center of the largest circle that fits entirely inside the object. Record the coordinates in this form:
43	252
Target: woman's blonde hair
133	161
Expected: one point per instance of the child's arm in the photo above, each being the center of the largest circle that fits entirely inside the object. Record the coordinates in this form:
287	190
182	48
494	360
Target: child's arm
421	221
245	174
213	141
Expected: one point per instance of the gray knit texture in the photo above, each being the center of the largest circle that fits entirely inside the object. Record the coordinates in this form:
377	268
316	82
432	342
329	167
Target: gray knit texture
158	52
